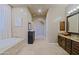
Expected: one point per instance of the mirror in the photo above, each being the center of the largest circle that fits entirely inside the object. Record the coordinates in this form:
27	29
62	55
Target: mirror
73	23
29	26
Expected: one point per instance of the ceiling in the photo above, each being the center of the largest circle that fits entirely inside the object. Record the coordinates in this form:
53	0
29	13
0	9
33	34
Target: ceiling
34	8
39	10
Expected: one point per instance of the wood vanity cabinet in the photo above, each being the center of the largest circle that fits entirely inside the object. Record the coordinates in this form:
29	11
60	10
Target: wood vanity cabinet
68	46
61	41
71	46
75	48
65	43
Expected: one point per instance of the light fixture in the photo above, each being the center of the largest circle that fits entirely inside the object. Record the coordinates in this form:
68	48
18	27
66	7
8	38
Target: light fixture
70	11
77	7
73	10
39	10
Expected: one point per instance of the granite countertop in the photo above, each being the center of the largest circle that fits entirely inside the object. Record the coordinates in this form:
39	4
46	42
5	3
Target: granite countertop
74	38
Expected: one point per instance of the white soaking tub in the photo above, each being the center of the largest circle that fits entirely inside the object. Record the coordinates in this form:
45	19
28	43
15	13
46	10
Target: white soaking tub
11	46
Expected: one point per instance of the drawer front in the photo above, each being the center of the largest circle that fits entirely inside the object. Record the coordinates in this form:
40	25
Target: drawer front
68	43
75	44
75	51
59	41
68	50
75	48
69	46
63	43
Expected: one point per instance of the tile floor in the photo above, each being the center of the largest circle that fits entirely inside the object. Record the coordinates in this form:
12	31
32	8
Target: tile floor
42	47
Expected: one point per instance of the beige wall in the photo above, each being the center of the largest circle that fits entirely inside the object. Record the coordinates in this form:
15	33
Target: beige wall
5	21
25	16
54	15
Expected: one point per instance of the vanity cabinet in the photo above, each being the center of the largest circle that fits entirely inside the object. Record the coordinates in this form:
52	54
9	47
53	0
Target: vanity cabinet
68	46
31	37
61	41
75	48
65	44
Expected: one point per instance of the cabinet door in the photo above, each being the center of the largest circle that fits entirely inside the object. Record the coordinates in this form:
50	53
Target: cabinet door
69	46
75	48
61	41
31	37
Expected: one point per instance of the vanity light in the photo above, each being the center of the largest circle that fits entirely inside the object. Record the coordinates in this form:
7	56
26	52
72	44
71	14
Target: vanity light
39	10
70	11
77	7
73	10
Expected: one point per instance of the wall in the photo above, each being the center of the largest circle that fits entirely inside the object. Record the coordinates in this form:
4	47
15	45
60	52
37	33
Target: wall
39	28
54	15
24	15
5	21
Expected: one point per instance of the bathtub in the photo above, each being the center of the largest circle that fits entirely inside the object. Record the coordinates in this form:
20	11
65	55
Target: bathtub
11	45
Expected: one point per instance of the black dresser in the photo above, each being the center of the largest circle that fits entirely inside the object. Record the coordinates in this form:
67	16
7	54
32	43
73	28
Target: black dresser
31	37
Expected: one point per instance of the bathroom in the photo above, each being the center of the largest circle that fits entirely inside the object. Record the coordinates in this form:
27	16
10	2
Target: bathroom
38	29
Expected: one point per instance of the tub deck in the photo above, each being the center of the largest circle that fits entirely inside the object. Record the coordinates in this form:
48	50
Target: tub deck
11	46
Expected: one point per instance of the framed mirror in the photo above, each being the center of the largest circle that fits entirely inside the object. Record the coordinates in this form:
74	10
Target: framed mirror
29	26
73	23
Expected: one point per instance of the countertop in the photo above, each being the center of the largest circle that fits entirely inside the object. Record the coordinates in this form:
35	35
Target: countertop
74	38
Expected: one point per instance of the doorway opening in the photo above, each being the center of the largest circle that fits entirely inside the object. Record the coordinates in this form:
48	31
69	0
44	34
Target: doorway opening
39	25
